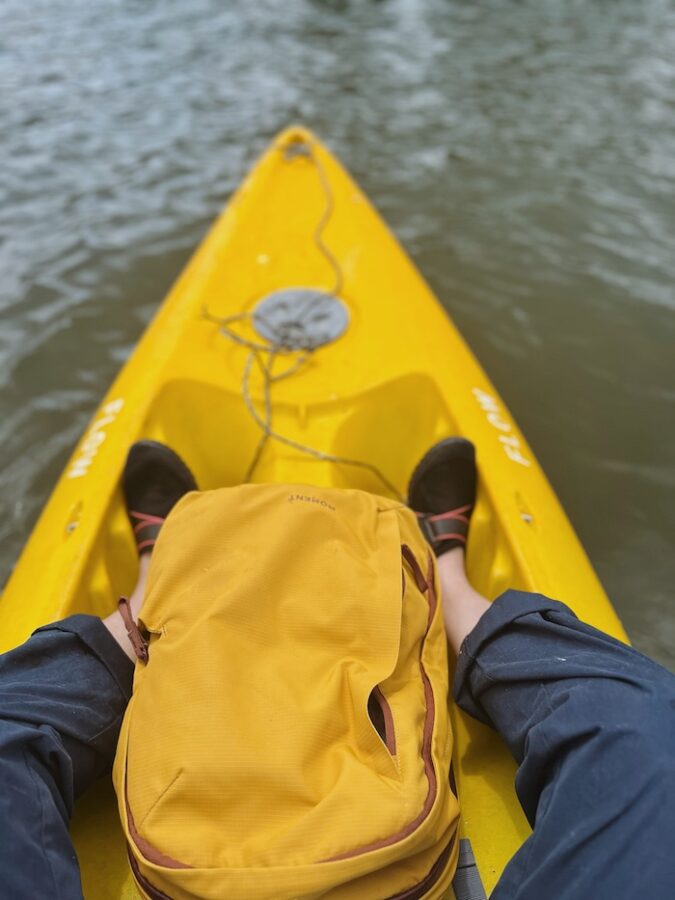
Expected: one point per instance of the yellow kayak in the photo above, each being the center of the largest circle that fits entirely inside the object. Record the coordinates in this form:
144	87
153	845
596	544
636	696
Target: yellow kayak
300	344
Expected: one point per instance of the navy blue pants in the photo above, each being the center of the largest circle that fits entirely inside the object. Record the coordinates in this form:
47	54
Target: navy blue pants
590	722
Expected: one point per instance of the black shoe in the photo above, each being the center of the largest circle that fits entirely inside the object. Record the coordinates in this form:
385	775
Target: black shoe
153	481
442	491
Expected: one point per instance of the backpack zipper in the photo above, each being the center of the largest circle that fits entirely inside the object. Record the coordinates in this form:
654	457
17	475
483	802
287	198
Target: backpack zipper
433	876
425	586
152	892
416	892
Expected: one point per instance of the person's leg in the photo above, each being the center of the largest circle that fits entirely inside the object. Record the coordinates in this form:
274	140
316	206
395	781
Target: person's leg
462	605
63	695
62	699
591	723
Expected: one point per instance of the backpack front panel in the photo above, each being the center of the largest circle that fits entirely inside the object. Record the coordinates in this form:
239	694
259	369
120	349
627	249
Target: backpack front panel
278	616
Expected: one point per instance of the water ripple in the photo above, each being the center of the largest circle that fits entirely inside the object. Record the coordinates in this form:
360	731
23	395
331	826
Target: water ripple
523	152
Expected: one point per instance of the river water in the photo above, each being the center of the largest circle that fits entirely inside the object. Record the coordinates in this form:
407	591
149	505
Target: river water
523	152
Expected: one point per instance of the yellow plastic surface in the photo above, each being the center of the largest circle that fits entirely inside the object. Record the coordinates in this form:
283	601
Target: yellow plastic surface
399	379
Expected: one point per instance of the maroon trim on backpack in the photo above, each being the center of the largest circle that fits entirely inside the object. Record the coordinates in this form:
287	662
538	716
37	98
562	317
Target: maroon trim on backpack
429	720
152	854
152	892
138	642
389	733
435	873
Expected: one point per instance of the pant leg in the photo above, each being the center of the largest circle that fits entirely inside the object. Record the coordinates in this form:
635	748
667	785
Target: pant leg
62	698
591	723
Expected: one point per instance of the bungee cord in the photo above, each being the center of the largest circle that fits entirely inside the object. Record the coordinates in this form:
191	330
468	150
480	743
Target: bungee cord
264	355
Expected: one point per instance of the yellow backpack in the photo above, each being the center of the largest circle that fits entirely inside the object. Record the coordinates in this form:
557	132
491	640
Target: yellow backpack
288	737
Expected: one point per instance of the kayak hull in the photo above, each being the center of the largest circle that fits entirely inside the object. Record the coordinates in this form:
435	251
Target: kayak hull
399	379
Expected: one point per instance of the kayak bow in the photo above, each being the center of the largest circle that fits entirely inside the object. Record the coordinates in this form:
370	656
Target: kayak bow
300	344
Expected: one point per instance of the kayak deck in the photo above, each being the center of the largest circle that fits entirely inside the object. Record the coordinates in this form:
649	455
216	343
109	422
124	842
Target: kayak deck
398	379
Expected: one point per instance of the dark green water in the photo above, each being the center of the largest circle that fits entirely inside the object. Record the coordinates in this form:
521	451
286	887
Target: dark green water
523	152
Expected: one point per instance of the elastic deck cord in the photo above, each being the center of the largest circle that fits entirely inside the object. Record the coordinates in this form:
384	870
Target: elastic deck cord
265	354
